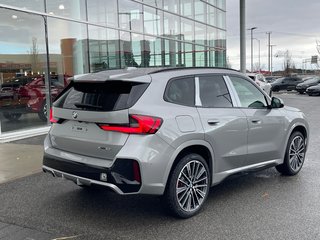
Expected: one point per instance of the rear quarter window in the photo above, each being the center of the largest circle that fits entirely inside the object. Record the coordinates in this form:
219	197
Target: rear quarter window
181	91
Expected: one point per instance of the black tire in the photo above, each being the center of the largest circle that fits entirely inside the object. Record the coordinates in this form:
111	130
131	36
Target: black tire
42	114
12	116
275	89
195	191
300	92
292	165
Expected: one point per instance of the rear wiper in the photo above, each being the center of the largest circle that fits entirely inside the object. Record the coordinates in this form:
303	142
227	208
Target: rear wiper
84	105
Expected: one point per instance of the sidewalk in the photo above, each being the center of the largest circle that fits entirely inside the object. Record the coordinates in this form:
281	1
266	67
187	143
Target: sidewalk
20	158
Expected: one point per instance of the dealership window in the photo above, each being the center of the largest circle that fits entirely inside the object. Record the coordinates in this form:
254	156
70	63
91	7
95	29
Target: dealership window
35	5
152	21
200	11
187	29
187	8
22	71
103	49
171	25
131	16
67	8
68	47
134	51
103	12
171	5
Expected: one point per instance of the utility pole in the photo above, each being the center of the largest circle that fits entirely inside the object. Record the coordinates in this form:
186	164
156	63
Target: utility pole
259	55
251	30
269	48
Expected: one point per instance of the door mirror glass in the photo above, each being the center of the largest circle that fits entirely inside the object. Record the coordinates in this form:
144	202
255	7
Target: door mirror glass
276	102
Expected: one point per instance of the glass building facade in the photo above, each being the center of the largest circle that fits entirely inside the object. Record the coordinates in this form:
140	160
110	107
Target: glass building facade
45	42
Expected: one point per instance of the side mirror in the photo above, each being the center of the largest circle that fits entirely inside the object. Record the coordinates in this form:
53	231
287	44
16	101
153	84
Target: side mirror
276	103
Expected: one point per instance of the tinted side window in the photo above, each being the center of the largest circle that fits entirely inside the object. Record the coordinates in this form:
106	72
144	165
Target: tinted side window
181	91
214	92
249	95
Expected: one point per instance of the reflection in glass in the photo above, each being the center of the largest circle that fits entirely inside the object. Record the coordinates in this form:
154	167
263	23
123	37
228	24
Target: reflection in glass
103	49
156	3
200	56
131	16
187	29
67	8
68	47
103	12
171	25
171	5
152	21
200	9
22	67
187	8
221	19
135	51
212	15
36	5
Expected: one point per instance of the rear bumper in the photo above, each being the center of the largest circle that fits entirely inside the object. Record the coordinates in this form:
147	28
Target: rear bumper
118	178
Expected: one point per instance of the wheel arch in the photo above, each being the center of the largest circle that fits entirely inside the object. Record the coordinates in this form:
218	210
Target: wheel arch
300	127
200	147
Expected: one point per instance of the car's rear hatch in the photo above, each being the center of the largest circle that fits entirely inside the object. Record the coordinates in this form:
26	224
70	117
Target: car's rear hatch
84	106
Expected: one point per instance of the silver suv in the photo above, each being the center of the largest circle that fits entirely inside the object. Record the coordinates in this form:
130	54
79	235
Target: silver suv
170	132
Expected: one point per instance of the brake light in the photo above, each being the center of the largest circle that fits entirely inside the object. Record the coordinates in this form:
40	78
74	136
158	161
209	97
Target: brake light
139	124
52	119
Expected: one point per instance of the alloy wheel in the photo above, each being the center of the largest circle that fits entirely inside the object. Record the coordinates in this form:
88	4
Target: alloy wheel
296	153
192	186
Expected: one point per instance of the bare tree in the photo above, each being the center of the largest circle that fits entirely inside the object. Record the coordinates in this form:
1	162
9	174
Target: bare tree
288	63
34	55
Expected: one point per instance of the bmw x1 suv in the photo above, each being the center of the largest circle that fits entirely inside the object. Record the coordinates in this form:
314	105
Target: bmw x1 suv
170	132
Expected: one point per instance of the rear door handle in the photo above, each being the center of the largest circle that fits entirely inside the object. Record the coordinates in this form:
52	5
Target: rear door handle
256	121
213	121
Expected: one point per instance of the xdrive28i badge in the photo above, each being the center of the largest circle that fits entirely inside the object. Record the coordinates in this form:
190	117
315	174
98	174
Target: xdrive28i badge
74	115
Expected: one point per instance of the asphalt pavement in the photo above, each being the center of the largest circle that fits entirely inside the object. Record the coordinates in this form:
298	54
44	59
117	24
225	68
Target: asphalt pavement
263	205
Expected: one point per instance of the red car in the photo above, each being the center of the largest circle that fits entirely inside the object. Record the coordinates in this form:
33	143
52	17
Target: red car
31	97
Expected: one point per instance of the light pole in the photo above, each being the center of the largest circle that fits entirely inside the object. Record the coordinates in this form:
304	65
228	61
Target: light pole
271	46
251	30
259	54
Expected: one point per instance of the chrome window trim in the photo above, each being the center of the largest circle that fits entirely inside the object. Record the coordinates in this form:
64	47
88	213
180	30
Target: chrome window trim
232	91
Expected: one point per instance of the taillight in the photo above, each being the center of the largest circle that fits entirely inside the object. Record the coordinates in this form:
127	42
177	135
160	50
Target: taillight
52	119
139	124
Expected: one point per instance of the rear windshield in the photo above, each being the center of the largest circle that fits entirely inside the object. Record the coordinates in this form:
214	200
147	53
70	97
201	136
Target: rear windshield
107	96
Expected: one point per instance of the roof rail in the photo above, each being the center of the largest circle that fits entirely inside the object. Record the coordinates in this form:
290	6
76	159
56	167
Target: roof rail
187	68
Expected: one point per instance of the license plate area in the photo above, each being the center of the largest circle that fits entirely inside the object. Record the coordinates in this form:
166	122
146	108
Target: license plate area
79	128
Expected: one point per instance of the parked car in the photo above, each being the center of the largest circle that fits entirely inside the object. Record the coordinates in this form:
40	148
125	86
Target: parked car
30	97
285	83
261	81
271	79
170	132
314	90
301	87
